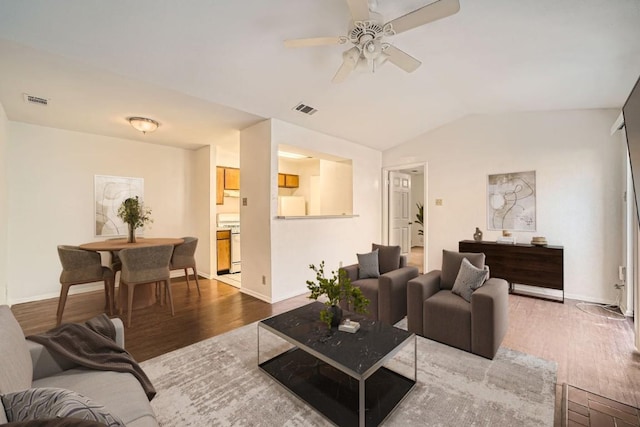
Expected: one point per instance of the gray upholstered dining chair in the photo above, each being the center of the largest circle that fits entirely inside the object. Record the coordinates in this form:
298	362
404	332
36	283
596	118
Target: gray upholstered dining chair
115	265
78	267
184	258
147	264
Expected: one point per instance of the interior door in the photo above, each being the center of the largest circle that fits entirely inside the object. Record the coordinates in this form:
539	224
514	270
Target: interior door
399	211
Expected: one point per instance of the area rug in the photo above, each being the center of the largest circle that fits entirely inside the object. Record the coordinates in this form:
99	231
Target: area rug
216	382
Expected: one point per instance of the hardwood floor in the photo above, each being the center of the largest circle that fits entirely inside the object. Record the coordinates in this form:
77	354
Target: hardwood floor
415	258
592	353
153	331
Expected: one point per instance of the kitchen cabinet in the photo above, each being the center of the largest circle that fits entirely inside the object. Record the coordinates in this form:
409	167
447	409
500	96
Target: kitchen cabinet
219	185
223	239
231	179
286	180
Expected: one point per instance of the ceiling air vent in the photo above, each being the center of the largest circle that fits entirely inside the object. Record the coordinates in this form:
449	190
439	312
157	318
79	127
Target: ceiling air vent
30	99
305	109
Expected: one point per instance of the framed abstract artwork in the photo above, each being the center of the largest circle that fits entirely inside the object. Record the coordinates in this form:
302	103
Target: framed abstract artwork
511	201
110	192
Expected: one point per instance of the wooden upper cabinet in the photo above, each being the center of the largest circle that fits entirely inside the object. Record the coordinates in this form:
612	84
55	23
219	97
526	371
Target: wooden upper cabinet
291	181
219	186
231	179
286	180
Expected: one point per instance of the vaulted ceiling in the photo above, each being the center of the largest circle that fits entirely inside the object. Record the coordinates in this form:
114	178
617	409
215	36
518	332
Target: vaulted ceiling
207	68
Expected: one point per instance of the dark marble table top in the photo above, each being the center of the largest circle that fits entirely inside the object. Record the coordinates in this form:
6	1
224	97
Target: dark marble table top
361	353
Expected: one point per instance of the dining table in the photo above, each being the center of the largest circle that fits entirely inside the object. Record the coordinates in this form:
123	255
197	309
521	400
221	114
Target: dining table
145	295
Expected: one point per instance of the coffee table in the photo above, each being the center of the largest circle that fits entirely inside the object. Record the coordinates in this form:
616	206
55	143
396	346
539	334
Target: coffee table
345	377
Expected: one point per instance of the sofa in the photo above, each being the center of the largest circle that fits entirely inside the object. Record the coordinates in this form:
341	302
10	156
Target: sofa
386	287
436	312
27	366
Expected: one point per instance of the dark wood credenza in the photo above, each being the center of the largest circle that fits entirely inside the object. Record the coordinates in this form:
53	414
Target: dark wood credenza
541	266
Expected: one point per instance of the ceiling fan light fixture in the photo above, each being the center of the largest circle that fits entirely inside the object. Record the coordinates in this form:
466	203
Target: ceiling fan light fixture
366	31
143	124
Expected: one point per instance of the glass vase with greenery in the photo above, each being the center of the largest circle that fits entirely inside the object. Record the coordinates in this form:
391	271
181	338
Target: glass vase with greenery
335	288
133	212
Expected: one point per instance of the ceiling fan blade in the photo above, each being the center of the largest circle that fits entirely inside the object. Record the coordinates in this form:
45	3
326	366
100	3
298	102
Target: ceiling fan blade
315	41
429	13
349	62
359	9
401	59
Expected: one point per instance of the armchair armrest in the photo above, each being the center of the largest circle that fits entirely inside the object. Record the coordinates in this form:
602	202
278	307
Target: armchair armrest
489	317
46	364
392	297
352	271
418	290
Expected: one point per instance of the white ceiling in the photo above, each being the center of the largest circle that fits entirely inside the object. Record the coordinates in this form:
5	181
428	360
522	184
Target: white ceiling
207	68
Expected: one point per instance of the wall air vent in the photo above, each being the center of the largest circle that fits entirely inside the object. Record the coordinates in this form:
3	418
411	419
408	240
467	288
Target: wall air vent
305	109
30	99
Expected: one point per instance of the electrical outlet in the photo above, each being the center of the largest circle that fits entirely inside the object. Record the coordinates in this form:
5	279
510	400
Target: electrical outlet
264	279
438	202
244	201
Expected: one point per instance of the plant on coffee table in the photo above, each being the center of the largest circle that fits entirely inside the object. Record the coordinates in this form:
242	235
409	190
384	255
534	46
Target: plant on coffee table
335	288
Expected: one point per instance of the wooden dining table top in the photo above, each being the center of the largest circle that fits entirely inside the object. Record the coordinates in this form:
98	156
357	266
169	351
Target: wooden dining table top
119	244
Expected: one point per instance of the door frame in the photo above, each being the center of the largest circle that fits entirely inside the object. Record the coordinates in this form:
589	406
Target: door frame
385	205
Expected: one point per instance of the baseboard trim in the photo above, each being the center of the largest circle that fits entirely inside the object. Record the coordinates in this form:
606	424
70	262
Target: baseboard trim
81	289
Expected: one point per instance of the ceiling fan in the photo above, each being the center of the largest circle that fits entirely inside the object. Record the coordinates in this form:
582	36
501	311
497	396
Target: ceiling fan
367	30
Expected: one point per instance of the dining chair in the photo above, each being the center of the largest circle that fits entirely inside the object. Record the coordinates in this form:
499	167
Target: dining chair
184	258
115	264
80	266
142	265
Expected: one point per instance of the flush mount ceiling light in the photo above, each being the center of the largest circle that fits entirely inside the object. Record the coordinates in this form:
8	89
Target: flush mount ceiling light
143	124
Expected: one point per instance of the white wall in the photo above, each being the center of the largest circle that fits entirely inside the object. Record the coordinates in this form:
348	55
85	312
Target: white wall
297	243
336	188
256	183
203	199
51	197
4	123
579	188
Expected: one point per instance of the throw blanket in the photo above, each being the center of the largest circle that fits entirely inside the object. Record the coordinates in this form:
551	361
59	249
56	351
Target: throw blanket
93	346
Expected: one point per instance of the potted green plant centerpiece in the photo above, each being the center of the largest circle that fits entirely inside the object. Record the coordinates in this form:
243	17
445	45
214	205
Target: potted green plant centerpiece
133	212
336	288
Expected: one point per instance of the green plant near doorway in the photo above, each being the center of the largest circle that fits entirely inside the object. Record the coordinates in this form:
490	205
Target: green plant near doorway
420	218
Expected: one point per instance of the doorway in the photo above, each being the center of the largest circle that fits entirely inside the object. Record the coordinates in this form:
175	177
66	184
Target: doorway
417	232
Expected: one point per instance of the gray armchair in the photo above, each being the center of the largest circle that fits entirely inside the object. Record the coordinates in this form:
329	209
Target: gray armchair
387	293
435	312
